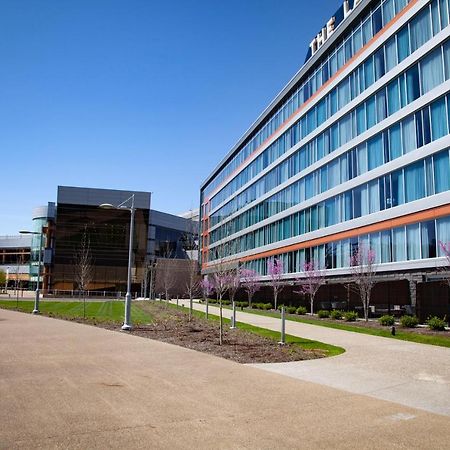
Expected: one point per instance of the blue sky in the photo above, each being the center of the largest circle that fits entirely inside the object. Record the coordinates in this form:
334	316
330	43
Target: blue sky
145	95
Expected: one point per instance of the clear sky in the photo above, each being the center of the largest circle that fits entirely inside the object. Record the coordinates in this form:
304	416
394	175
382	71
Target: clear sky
130	94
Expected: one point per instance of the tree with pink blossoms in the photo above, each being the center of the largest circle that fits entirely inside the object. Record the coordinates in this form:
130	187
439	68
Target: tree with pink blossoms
249	279
363	273
445	251
311	281
275	270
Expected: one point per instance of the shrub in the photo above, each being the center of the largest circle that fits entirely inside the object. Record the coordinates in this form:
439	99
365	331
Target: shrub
301	311
241	304
291	309
336	314
386	320
436	324
323	314
266	306
409	321
350	316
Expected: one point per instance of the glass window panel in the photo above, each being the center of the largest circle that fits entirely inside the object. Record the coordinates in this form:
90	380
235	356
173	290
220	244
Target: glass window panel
408	135
395	142
443	232
431	71
388	11
398	244
375	152
415	181
447	59
443	10
420	29
393	97
428	239
403	44
380	67
412	83
441	172
386	246
370	112
439	126
391	54
413	241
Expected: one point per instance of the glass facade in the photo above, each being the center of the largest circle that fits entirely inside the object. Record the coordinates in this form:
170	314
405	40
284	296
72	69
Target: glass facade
366	129
107	231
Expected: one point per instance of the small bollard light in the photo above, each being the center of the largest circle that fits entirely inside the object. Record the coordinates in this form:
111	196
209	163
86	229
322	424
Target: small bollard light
393	330
233	317
283	327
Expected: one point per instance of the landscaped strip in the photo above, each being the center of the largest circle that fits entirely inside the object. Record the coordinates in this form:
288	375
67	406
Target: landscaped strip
306	344
400	334
103	311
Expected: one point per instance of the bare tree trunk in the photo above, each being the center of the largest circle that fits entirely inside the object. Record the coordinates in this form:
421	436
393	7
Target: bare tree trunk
275	297
190	307
311	301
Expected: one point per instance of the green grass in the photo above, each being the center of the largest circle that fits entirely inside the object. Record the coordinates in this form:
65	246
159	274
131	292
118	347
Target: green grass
103	311
402	335
306	344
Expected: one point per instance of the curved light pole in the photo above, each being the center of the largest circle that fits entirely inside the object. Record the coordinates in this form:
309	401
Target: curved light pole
36	298
127	321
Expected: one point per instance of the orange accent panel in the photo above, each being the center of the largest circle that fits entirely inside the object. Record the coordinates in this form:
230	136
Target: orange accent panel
421	216
303	106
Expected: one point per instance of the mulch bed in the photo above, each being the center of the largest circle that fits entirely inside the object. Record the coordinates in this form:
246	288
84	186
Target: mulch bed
374	324
172	326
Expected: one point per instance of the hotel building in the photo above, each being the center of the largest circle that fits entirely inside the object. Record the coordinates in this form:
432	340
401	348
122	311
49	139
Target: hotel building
354	150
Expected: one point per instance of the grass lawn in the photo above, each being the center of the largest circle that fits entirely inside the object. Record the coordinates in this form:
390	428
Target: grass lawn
401	333
103	311
306	344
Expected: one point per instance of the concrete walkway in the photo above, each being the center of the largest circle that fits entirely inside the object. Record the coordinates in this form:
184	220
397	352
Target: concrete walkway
410	374
66	385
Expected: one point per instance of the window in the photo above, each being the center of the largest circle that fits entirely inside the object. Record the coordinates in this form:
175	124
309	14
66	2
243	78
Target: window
414	181
431	71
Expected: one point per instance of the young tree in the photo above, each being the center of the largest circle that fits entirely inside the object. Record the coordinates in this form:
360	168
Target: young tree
207	287
83	267
275	271
249	279
363	271
310	284
192	283
445	249
221	286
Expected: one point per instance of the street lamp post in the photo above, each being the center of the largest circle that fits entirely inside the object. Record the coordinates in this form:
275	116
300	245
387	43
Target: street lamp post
127	321
36	298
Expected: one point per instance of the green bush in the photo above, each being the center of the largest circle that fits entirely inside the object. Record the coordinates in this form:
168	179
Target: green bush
336	314
409	321
386	320
301	311
323	314
436	324
350	316
266	306
291	309
241	304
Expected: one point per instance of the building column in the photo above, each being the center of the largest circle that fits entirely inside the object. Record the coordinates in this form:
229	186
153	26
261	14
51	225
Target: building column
413	294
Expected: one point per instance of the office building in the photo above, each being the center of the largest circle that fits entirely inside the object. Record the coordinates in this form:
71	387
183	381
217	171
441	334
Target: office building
353	151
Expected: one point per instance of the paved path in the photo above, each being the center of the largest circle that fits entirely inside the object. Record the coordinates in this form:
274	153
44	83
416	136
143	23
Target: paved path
411	374
66	385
